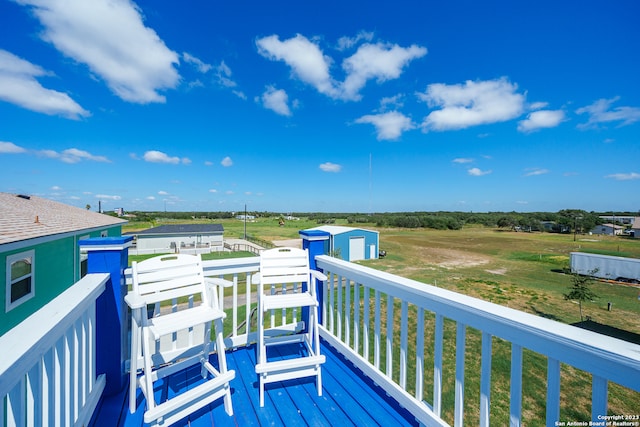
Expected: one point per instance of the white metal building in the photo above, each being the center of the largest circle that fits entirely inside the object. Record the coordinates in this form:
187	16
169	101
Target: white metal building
180	238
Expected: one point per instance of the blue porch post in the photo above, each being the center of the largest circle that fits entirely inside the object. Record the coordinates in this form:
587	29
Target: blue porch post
317	242
110	255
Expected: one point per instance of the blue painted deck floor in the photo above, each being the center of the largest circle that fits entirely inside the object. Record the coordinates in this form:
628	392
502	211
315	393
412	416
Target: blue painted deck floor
348	399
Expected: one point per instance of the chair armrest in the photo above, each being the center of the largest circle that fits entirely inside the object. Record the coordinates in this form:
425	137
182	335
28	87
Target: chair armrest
216	281
255	279
318	275
134	300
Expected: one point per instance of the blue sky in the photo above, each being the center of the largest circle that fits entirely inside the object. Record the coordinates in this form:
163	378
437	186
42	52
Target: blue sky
329	106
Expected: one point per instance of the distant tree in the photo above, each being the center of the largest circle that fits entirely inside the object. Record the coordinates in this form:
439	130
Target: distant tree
505	222
577	220
88	206
580	289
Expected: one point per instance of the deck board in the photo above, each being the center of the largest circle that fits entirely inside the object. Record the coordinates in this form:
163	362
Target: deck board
347	399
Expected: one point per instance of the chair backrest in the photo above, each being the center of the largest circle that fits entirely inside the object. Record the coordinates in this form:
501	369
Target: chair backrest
284	265
169	277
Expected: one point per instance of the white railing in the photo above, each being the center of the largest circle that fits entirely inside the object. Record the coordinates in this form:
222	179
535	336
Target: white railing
243	296
401	333
48	362
390	326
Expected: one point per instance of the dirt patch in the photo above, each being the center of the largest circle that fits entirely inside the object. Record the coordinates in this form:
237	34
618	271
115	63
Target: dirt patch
451	258
291	243
500	271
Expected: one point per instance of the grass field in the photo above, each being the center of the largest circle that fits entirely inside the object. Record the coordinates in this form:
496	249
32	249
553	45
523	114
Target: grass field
519	270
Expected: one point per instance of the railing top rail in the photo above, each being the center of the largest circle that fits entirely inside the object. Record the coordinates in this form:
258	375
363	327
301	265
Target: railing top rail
232	265
23	345
586	350
221	266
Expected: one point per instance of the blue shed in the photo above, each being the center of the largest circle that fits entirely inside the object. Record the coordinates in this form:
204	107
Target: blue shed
351	244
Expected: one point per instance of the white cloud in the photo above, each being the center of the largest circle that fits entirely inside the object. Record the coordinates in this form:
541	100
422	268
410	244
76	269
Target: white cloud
107	197
463	160
11	148
376	61
150	197
226	162
537	105
239	94
110	37
536	172
330	167
276	100
18	85
388	125
309	64
223	75
624	176
471	104
305	58
163	193
72	155
348	42
213	190
477	172
202	67
394	102
599	112
541	119
154	156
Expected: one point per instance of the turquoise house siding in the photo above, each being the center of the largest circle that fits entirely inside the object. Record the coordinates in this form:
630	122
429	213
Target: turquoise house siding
57	265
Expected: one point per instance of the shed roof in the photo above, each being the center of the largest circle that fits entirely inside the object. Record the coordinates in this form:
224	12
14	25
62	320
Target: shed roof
183	229
28	217
339	229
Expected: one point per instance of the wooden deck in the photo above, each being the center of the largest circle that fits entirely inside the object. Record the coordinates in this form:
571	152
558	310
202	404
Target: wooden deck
348	399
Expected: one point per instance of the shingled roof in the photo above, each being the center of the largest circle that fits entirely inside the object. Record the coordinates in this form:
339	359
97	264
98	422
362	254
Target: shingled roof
28	217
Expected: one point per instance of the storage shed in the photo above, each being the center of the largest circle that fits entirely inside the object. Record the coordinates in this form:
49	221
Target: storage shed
185	238
351	244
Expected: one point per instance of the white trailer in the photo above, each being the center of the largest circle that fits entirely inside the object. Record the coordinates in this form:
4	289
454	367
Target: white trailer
609	267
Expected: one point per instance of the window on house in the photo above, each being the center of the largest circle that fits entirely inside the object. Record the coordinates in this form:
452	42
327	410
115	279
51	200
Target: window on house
83	259
20	279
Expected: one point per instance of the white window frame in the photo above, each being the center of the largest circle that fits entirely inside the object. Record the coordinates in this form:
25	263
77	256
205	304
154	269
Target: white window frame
10	260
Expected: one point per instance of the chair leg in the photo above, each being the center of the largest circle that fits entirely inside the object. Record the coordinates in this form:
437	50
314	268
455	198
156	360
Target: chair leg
206	349
148	369
260	352
133	361
261	381
222	363
316	346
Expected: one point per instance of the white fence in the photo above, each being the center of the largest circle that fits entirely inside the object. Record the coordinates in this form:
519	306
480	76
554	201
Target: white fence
359	312
47	368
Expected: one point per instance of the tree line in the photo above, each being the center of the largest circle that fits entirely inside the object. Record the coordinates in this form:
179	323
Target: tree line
563	221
